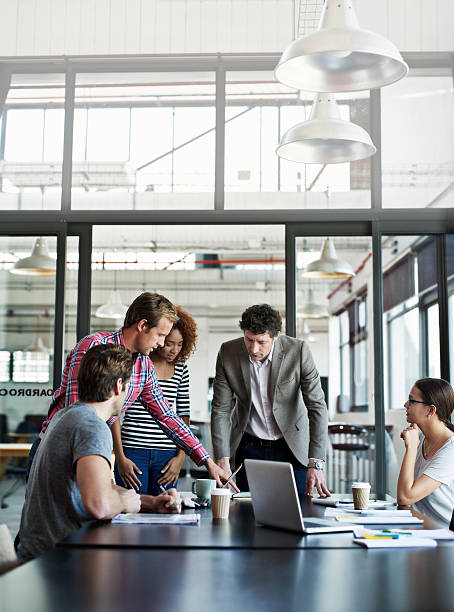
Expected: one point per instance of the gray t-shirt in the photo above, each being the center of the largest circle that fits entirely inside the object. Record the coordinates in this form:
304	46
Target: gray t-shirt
53	506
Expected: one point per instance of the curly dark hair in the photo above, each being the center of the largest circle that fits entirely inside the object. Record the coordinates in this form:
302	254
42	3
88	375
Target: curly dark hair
260	319
188	329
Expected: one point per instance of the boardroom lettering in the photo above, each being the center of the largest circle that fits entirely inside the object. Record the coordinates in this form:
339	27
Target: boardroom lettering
26	392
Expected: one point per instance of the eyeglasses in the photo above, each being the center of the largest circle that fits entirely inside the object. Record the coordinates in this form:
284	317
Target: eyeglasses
413	401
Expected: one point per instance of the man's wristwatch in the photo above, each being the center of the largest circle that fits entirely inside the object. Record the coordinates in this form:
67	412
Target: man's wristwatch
316	464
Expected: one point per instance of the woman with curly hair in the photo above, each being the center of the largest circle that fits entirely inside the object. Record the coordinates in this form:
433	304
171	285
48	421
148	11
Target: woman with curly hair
157	460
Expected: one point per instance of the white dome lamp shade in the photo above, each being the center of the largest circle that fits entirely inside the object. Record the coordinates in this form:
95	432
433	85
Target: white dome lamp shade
325	138
308	336
310	309
340	56
113	309
39	263
328	266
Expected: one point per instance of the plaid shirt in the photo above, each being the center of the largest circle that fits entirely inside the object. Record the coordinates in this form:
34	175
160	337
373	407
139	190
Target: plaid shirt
143	386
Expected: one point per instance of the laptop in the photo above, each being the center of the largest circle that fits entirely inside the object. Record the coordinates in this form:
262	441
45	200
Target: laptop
275	499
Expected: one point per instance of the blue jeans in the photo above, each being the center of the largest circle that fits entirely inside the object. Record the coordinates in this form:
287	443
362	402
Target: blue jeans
150	462
251	449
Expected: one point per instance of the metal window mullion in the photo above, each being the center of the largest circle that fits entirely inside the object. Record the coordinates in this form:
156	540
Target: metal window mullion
66	179
443	310
380	448
84	281
219	169
59	322
424	344
290	281
376	160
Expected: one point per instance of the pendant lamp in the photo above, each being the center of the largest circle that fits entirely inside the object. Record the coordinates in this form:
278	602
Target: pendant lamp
310	309
39	263
113	309
325	138
308	336
340	56
328	266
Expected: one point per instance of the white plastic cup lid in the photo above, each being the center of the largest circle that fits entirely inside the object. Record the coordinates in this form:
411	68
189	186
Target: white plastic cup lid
221	492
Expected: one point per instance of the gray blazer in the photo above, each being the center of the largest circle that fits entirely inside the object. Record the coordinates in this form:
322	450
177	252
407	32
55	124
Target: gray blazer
297	398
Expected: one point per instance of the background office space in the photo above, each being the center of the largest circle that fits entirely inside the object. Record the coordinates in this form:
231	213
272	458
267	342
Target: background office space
159	172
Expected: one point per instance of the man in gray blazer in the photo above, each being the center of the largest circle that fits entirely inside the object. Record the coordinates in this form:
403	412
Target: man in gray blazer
268	402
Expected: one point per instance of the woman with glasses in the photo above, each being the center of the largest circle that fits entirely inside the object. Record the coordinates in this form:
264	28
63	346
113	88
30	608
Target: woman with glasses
426	477
156	460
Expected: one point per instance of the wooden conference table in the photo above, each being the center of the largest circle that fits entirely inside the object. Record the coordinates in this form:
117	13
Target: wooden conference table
11	450
113	568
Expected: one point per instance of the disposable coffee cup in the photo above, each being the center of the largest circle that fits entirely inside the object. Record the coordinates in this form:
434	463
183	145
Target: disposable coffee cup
220	503
361	492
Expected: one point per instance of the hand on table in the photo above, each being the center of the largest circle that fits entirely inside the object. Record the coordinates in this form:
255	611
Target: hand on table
316	478
171	471
131	500
128	470
168	502
220	474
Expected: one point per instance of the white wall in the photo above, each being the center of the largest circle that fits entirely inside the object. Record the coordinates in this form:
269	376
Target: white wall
106	27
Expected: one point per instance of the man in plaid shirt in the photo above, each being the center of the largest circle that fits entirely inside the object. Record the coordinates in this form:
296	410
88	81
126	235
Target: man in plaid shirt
147	322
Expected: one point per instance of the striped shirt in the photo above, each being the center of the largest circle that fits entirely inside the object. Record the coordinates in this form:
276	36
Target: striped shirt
143	386
140	430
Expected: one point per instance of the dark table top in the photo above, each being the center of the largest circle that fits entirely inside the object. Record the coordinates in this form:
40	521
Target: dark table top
117	580
239	531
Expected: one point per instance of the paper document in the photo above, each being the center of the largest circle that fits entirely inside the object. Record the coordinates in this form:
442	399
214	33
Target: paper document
409	542
369	512
434	534
334	502
242	495
380	520
156	519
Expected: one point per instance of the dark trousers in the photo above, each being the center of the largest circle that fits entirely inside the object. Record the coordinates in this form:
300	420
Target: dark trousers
251	447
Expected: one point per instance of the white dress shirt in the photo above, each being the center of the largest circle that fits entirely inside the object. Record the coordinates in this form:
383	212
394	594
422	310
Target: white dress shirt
262	423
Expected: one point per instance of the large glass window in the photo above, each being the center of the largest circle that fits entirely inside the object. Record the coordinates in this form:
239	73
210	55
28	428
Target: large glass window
163	153
410	327
31	142
417	149
449	241
26	332
337	309
259	110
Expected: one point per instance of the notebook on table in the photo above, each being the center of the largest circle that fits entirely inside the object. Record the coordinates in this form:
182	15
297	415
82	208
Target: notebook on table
275	499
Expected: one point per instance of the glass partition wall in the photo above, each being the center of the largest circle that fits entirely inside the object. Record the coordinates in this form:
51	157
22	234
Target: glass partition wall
171	169
31	142
27	314
162	155
334	314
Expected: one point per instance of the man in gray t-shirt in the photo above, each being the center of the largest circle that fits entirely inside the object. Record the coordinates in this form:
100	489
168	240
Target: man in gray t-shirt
70	481
53	506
